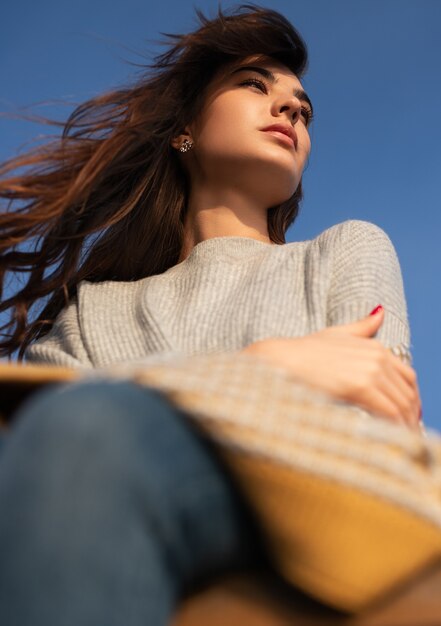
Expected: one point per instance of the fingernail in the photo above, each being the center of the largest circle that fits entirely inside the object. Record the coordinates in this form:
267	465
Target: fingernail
376	310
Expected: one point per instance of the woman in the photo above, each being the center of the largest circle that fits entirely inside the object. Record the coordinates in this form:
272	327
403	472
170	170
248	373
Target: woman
162	213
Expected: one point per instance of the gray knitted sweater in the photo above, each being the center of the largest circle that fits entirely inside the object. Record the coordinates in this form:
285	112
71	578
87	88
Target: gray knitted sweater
230	292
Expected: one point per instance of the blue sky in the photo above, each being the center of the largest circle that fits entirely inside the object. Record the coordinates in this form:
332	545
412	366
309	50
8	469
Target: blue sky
373	77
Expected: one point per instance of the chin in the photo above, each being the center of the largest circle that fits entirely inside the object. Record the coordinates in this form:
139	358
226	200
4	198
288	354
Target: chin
270	199
278	183
282	171
280	200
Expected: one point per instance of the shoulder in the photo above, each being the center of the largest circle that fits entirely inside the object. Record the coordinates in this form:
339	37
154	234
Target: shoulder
352	233
347	244
356	241
106	294
63	344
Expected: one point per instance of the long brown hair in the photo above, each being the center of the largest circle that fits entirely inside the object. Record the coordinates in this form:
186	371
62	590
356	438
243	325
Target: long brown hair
107	199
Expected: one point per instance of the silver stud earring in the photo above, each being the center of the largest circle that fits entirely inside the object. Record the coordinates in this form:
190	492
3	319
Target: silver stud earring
186	145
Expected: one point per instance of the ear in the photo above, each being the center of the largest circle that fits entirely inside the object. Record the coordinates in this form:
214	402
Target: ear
176	142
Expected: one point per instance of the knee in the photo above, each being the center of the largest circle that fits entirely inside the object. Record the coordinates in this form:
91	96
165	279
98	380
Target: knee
85	406
95	421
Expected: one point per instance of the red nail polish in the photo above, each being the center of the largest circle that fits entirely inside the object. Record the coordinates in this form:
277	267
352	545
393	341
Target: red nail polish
376	310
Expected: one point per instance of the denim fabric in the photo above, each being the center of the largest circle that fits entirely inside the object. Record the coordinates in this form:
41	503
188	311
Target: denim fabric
112	508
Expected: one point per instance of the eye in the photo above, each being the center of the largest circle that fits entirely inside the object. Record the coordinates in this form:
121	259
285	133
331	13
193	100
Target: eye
256	82
307	115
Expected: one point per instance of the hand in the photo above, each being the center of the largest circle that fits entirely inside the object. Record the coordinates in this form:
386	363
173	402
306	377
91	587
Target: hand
348	364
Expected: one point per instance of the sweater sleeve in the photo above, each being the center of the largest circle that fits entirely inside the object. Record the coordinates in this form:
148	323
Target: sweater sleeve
63	345
366	272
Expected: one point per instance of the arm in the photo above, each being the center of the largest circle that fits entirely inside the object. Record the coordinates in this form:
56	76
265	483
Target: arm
351	359
366	272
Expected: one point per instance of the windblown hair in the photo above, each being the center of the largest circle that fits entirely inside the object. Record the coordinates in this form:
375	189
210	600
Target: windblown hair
106	200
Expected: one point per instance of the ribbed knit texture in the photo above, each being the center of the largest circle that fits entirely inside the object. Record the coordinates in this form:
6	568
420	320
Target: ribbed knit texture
230	292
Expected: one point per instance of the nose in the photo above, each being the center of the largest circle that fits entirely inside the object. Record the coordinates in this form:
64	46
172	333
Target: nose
289	104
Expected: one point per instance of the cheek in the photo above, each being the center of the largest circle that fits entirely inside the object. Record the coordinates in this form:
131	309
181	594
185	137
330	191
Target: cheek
217	130
304	141
225	124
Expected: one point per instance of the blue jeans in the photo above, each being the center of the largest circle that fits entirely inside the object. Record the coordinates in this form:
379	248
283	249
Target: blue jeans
112	509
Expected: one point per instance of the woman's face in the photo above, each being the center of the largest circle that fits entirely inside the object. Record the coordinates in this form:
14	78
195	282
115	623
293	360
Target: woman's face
230	144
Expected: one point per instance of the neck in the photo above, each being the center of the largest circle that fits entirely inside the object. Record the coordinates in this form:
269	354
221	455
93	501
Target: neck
229	216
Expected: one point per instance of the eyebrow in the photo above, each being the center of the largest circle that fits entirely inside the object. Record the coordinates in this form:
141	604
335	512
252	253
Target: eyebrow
298	93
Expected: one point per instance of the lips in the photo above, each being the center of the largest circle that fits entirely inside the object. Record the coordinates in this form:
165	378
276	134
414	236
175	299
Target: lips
285	130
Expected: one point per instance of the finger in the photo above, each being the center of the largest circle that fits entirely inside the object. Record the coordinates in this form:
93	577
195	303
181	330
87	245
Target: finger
380	404
366	327
401	395
406	371
409	375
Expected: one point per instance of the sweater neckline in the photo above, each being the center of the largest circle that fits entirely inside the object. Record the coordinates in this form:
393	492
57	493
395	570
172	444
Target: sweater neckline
235	245
215	248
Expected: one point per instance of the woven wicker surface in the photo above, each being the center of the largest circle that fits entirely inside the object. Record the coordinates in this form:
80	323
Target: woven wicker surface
350	503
